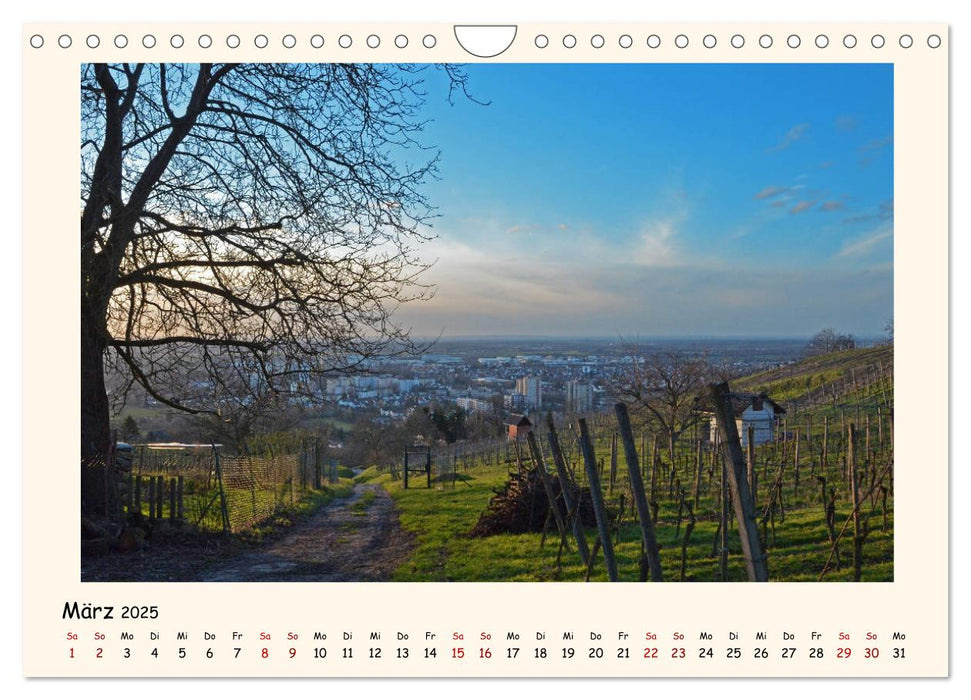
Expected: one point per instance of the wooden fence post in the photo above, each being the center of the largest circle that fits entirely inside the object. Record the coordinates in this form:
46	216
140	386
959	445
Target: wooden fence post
795	463
603	526
825	443
637	487
723	522
753	477
890	426
741	494
866	451
699	465
172	512
855	489
613	460
570	498
224	510
547	486
653	467
151	498
160	496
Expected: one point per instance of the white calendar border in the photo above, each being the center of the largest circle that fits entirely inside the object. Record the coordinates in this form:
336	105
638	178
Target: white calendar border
899	227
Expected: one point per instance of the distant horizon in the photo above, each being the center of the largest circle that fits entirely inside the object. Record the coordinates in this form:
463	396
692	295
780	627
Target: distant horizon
637	339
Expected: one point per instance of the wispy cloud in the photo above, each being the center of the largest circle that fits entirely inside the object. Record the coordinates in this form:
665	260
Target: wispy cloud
473	282
650	281
877	144
866	243
845	122
663	300
772	191
802	206
832	205
873	148
884	212
793	135
657	244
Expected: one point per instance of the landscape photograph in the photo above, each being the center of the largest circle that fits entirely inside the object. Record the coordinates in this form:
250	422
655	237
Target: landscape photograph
487	322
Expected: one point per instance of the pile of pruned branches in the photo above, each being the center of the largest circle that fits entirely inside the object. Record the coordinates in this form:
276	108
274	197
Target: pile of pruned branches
521	506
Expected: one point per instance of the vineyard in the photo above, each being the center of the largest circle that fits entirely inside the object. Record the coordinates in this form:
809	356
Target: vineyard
821	504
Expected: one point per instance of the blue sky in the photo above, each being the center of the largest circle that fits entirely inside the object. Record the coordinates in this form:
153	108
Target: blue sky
662	200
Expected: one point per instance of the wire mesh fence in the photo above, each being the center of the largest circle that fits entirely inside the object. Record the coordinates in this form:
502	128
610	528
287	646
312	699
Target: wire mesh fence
213	492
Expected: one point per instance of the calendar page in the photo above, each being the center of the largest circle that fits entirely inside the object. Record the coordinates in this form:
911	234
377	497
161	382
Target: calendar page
510	350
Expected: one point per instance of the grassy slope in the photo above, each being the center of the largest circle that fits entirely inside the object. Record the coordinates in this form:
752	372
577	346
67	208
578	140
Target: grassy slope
797	380
441	519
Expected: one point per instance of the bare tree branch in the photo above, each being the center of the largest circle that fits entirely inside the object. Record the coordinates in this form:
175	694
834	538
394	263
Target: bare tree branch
246	227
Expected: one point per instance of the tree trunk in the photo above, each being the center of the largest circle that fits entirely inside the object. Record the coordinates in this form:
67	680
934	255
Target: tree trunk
95	428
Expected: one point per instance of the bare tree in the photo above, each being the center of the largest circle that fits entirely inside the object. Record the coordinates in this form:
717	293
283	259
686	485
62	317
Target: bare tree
830	340
239	418
662	388
243	225
373	444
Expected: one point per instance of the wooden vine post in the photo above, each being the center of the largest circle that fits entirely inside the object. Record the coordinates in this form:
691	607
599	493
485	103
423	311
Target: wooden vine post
750	465
855	489
723	522
570	498
596	495
547	486
795	462
654	458
742	501
825	457
699	468
613	461
640	499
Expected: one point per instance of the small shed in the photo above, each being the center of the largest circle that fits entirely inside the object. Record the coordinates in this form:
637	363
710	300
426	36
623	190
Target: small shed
517	425
755	410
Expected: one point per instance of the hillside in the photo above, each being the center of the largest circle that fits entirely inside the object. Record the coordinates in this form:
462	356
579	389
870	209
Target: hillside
853	377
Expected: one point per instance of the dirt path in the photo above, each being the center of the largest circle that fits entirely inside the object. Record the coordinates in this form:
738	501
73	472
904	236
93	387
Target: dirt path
358	538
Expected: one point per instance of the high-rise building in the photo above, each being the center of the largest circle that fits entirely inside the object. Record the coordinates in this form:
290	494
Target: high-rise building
532	389
514	401
579	396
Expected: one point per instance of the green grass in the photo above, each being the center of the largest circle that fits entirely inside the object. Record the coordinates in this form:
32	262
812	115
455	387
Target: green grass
797	380
441	521
361	505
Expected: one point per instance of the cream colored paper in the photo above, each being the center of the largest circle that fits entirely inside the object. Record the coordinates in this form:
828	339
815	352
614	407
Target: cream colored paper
914	604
